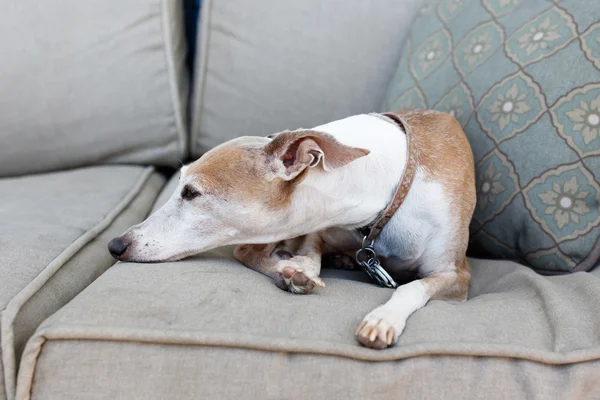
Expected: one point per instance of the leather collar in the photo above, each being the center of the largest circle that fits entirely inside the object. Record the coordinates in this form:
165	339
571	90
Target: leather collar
371	231
366	255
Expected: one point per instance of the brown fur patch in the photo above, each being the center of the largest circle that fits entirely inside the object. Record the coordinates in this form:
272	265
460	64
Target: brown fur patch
237	170
336	154
452	285
445	154
257	257
464	278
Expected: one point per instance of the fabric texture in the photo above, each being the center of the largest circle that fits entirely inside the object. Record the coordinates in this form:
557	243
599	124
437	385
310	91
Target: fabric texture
266	66
523	79
231	373
54	232
100	81
209	327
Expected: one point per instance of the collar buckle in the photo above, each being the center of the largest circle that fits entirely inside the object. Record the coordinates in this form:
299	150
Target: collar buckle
366	256
367	259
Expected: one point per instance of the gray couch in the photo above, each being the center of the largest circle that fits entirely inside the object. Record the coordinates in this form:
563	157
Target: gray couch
96	112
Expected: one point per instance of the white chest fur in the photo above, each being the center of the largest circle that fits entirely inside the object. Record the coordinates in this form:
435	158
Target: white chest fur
419	230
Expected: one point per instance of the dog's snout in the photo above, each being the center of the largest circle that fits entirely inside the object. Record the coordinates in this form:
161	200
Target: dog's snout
117	247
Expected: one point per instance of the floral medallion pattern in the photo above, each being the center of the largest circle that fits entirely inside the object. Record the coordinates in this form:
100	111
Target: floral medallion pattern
477	47
523	80
501	7
550	260
510	107
541	37
430	55
565	201
577	117
448	9
458	103
590	43
410	100
496	184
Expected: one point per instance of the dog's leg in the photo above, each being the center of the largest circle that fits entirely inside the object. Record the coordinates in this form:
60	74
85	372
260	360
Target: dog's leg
339	260
382	326
294	264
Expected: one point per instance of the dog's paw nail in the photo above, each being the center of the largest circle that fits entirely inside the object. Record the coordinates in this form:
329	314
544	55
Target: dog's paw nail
390	337
379	330
360	327
373	336
319	282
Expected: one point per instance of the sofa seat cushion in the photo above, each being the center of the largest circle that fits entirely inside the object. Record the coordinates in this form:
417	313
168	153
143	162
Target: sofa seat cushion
53	238
208	327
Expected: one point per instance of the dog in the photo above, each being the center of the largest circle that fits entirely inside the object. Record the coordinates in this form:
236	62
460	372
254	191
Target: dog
289	198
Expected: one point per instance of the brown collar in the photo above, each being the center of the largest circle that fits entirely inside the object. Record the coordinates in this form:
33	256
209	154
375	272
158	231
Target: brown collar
369	260
408	176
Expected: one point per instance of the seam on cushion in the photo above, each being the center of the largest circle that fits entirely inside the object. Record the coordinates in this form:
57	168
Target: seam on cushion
34	346
169	54
27	373
356	352
15	304
202	55
2	372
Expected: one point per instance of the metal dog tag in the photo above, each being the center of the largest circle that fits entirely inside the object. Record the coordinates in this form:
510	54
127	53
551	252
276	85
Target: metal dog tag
367	259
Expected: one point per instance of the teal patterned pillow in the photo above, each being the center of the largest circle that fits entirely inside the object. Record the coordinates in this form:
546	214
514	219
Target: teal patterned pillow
523	79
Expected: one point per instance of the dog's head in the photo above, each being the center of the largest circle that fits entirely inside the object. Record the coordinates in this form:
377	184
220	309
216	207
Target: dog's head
240	192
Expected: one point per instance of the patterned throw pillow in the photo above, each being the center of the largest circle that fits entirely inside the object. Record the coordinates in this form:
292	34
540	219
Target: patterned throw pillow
523	78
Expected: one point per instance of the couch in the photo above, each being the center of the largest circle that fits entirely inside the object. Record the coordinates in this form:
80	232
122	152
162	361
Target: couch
98	110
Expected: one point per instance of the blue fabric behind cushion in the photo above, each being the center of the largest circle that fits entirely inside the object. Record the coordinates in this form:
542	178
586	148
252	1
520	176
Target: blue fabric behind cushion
192	12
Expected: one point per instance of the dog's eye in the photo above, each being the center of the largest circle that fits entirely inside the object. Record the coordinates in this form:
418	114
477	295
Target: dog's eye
189	193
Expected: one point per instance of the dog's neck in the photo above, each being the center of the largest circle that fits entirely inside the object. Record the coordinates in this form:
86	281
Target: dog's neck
354	195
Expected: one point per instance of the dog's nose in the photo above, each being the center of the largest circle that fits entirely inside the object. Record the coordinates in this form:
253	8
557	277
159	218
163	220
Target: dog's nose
117	247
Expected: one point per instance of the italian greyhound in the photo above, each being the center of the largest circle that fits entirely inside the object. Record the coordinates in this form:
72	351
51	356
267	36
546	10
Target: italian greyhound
290	198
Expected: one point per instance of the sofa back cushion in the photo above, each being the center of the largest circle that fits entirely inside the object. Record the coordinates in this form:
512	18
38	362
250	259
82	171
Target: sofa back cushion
94	81
268	65
523	78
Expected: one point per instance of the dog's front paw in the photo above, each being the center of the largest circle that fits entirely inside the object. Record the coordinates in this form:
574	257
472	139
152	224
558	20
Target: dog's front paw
292	277
380	329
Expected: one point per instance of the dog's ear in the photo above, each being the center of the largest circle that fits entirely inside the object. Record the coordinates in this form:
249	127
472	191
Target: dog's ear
293	152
